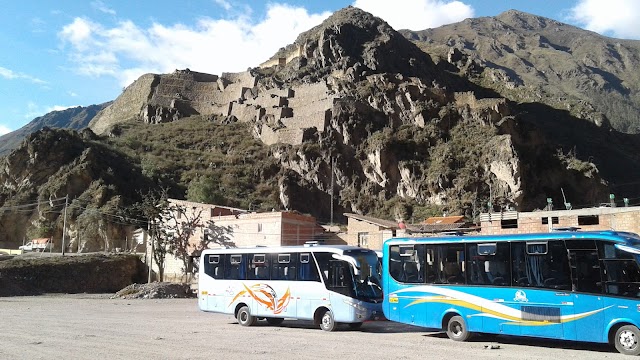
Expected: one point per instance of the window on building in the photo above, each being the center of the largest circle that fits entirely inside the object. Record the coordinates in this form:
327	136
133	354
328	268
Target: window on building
509	224
363	239
259	227
554	220
588	220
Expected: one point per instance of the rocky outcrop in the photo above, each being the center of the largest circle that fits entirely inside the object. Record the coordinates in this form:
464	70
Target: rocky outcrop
53	164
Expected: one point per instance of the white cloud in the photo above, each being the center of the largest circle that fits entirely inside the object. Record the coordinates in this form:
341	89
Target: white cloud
417	14
210	45
619	18
12	75
4	130
102	7
223	4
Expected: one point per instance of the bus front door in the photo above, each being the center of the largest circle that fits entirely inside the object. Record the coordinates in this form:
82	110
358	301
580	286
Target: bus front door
588	304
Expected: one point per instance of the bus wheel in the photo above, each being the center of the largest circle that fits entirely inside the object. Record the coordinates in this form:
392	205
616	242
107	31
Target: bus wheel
457	329
275	321
244	317
626	340
326	322
355	326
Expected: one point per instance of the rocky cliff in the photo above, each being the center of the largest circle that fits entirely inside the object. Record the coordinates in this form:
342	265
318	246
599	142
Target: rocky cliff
528	58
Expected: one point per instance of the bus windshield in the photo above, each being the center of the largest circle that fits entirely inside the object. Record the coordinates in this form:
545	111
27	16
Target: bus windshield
367	282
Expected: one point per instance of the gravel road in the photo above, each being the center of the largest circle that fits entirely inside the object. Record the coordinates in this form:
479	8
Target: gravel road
96	327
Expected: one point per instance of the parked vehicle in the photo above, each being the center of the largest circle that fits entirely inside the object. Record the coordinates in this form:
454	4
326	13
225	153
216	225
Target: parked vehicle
326	284
571	285
42	244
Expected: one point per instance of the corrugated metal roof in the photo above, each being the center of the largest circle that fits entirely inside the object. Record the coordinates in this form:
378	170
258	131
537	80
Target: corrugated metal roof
380	222
444	220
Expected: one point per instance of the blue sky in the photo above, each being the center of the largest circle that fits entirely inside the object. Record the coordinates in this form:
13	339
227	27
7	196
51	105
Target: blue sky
59	54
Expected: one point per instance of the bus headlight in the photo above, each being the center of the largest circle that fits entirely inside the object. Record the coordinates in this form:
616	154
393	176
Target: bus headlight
355	305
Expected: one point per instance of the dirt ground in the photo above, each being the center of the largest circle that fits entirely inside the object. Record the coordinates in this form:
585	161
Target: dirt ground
99	327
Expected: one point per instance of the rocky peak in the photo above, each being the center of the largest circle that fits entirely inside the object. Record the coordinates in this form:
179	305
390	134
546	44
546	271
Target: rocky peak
523	20
355	42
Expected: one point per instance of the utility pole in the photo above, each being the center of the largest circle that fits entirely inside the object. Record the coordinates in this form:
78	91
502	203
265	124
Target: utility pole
332	164
64	222
150	238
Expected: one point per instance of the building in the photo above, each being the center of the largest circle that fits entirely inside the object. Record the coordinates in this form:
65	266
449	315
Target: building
601	218
222	226
440	224
369	232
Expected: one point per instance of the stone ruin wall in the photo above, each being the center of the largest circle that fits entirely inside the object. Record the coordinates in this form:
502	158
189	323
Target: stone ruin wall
287	113
283	60
490	109
126	106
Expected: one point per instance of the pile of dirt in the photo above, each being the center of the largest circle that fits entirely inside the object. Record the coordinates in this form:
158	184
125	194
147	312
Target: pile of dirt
81	273
157	290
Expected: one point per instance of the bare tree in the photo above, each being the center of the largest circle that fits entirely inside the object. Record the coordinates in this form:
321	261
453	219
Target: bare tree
180	226
216	234
212	234
153	205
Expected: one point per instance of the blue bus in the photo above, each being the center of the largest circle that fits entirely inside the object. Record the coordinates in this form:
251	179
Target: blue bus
570	285
329	285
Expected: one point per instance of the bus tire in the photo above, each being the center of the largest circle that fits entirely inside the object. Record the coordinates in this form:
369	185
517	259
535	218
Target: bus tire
457	329
274	321
355	326
244	317
326	321
627	340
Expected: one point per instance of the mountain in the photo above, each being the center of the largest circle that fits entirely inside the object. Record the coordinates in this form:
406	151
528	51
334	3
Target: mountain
72	118
528	58
352	112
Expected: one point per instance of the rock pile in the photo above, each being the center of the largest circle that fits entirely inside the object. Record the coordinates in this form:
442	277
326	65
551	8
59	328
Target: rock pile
156	290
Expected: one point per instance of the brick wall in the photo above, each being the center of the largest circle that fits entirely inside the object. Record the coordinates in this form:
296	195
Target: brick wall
619	219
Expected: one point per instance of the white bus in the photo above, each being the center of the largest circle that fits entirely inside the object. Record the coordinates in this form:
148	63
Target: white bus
326	284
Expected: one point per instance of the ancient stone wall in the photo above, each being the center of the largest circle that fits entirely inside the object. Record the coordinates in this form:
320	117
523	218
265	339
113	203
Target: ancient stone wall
127	106
491	109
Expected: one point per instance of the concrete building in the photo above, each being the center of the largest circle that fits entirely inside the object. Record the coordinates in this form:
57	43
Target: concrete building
602	218
369	232
231	227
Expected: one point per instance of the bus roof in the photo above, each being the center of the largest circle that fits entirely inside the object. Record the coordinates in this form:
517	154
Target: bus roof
615	236
338	249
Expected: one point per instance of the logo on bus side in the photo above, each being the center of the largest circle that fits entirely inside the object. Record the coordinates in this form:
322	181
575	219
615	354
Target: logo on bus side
520	296
267	296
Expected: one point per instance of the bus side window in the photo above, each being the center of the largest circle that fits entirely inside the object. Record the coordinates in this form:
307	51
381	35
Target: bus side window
453	264
213	266
544	265
259	267
235	267
407	263
284	267
621	271
307	270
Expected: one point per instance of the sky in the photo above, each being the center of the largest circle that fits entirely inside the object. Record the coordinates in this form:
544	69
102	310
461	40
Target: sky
60	54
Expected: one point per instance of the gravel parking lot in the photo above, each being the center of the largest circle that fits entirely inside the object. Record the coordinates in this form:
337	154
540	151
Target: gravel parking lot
97	327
